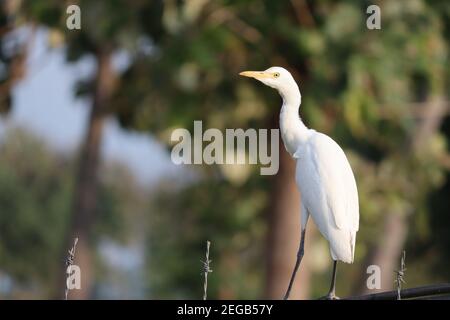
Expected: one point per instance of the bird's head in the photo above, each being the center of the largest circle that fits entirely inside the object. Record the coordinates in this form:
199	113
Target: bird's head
275	77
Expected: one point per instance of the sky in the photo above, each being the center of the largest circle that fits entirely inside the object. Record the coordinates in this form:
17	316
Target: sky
44	103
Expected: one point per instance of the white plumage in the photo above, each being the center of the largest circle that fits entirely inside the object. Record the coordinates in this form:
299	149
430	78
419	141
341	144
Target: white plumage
323	174
329	193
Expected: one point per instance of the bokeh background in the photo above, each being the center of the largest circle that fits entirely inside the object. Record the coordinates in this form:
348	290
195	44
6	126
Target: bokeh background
86	118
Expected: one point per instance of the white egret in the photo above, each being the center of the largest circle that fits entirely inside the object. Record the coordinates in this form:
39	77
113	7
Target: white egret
323	175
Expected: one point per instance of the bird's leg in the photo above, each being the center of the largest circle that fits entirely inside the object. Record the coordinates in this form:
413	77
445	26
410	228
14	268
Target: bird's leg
332	293
300	254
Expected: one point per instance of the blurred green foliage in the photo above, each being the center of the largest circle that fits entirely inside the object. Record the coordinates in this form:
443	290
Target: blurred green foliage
35	198
34	192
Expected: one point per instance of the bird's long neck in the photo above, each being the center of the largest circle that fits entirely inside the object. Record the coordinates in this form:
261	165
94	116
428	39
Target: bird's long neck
293	130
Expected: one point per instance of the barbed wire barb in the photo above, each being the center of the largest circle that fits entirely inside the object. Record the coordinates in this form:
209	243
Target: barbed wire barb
400	275
206	270
69	261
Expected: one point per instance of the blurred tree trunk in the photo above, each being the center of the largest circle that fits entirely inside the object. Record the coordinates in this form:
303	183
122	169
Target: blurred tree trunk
284	235
85	194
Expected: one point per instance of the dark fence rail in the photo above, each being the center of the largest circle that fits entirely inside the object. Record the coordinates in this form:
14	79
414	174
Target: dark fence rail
431	292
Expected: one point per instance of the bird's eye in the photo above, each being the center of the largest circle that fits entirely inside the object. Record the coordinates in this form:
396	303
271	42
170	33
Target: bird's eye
276	74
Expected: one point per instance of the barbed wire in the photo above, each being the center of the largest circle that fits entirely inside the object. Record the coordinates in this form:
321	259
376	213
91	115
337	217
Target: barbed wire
69	261
400	275
206	270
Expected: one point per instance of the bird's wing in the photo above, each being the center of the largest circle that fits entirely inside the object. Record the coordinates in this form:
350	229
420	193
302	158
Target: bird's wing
337	181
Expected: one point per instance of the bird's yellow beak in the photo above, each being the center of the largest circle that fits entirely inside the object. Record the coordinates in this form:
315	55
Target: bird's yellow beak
256	74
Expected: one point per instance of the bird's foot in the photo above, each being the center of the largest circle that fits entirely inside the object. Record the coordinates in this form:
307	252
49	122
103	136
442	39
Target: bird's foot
329	296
